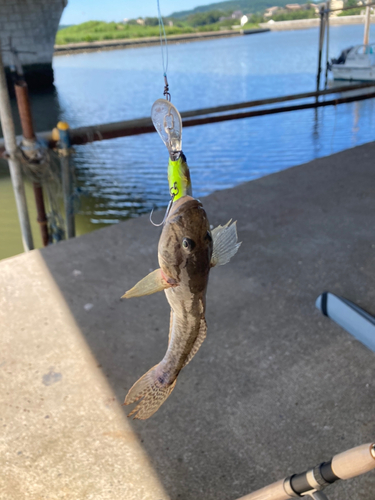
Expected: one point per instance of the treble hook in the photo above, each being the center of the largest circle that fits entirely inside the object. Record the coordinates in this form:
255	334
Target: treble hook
165	216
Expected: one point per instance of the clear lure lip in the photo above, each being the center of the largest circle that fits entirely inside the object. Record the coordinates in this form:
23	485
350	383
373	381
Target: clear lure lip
167	121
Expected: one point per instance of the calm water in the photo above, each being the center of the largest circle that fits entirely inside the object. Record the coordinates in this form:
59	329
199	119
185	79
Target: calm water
125	177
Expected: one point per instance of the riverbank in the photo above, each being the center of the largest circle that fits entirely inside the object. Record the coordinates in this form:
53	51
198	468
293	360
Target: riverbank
130	43
275	388
302	24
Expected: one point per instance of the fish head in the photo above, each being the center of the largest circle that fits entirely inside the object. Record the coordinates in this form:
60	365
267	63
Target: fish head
185	245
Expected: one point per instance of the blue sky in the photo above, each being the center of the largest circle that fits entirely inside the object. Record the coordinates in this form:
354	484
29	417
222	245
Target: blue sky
79	11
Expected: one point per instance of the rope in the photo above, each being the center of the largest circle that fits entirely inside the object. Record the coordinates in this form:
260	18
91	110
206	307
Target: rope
42	166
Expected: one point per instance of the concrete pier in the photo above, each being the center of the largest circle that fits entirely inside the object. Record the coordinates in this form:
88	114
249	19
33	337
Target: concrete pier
29	27
275	388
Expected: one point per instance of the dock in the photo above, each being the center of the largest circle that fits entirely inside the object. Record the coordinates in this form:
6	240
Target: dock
275	388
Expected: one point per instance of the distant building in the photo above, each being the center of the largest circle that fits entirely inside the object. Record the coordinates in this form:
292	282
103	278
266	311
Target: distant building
140	21
244	20
170	23
336	4
293	6
333	4
271	11
237	14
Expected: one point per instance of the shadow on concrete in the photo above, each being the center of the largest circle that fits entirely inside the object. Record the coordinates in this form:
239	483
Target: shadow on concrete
276	387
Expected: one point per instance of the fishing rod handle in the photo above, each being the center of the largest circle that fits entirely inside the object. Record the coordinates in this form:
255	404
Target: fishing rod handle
274	491
345	465
354	462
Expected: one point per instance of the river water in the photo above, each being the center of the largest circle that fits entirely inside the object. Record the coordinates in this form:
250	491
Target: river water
126	177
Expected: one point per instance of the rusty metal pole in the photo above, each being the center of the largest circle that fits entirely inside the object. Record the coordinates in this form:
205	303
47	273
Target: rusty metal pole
28	133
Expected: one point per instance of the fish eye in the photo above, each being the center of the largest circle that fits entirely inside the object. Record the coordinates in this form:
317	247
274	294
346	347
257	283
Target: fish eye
188	244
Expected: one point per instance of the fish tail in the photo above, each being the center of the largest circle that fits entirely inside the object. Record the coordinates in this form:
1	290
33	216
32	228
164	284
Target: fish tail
153	390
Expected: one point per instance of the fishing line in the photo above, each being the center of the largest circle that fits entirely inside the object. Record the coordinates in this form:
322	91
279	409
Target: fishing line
164	47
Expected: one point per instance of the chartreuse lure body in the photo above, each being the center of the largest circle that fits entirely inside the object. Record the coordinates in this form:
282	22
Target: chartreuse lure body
179	178
188	249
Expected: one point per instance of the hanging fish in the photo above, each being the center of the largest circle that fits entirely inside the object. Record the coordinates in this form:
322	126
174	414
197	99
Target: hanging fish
187	250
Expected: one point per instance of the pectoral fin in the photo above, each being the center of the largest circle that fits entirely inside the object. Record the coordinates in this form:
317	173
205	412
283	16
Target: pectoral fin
225	243
152	283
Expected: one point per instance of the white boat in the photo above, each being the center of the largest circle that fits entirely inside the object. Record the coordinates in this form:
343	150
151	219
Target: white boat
355	63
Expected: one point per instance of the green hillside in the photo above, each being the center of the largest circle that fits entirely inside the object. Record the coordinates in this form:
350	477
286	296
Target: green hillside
247	6
213	17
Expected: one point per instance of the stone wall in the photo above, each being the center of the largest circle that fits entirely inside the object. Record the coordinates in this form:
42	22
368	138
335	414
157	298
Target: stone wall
31	26
301	24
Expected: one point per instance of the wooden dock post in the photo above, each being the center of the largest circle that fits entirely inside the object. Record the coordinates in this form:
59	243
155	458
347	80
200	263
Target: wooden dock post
7	125
66	175
367	26
327	43
321	43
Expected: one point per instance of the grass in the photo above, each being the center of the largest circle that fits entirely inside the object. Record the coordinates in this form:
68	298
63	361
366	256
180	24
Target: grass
250	26
98	30
92	31
351	12
297	14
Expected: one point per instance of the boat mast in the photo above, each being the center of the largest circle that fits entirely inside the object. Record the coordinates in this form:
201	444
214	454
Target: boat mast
367	26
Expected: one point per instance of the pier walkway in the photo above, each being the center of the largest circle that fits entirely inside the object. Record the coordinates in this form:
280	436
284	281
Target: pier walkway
275	388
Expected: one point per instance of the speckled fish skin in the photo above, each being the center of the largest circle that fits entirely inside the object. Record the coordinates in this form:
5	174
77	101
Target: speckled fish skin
190	268
187	251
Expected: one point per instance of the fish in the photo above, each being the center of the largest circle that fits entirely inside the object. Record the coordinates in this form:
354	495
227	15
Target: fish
187	251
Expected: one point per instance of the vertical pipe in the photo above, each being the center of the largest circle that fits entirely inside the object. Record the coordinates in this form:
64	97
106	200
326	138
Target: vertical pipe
67	181
327	43
321	41
367	26
28	133
7	125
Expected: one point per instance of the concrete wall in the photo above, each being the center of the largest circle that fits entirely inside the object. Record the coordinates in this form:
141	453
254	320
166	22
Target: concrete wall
31	25
301	24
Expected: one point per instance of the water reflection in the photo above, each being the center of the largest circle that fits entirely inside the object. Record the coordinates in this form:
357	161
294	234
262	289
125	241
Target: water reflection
126	177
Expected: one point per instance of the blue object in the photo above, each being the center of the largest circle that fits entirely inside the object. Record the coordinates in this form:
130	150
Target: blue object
349	316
